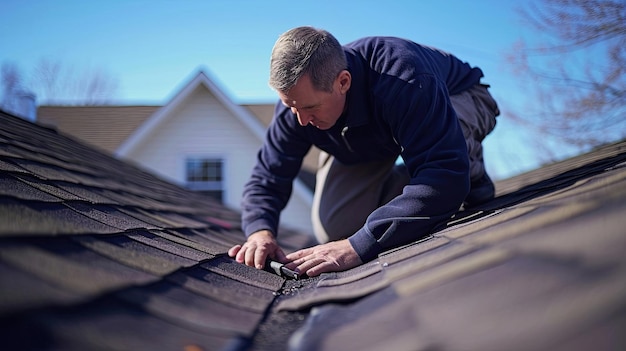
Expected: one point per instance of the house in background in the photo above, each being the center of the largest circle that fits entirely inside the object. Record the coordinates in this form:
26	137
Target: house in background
200	139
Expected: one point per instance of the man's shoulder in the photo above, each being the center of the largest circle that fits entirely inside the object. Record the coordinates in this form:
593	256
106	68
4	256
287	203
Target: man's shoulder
379	41
376	48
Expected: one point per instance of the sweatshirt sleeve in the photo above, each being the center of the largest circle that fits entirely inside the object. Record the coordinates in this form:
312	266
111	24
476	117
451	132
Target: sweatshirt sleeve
425	125
279	160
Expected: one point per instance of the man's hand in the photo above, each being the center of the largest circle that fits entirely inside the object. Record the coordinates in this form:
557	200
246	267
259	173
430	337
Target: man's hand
256	249
334	256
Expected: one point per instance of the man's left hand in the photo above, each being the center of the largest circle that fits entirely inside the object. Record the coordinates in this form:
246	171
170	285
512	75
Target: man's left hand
334	256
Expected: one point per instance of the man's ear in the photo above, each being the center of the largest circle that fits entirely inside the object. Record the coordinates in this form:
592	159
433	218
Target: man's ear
345	79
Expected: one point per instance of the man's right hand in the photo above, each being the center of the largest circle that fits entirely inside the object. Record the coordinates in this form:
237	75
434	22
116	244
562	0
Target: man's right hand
259	246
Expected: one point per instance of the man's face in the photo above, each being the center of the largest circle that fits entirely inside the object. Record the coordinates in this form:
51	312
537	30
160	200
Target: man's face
320	109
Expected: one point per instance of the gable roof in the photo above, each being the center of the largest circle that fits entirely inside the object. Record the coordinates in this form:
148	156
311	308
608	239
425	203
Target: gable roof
97	254
200	79
107	127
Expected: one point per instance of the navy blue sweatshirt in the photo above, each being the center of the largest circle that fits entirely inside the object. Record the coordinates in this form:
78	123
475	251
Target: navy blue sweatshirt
398	104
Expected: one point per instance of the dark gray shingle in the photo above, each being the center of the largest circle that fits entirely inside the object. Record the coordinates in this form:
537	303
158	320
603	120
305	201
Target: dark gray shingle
98	255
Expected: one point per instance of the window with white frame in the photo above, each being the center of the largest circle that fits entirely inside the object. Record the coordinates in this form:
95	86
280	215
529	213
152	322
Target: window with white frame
206	176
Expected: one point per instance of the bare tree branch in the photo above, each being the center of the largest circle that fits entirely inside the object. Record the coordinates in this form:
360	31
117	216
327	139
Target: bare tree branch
54	82
11	80
576	73
64	84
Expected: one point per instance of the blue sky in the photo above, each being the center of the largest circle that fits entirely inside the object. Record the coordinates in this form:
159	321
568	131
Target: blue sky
153	47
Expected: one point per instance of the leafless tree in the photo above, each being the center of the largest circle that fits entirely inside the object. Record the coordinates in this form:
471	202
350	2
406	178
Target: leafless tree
11	80
56	83
46	77
574	70
53	82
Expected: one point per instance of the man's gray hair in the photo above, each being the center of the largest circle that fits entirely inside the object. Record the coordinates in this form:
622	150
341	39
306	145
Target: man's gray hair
306	50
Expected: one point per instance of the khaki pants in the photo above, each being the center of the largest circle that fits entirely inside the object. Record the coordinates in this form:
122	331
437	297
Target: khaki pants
345	195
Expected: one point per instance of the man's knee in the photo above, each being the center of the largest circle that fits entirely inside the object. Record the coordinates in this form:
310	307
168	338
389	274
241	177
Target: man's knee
476	110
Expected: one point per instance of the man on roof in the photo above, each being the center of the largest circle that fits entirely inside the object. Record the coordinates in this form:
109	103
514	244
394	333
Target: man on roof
400	127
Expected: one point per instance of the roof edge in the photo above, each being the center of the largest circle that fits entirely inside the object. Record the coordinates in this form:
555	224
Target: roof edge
199	78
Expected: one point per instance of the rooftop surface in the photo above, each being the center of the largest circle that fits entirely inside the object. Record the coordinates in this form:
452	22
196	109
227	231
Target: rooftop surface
96	254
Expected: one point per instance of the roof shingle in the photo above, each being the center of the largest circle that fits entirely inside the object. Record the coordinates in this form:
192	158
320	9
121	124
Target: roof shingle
96	254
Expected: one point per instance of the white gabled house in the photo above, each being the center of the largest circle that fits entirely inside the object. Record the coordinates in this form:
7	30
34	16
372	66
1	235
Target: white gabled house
204	141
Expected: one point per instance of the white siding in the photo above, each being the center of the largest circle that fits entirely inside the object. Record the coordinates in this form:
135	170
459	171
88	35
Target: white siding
203	127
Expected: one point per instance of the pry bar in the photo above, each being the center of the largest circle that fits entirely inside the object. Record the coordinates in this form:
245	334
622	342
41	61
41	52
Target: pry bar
280	269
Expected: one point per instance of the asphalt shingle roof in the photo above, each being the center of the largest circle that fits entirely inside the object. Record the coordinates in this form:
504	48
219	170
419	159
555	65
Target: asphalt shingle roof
106	127
96	254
